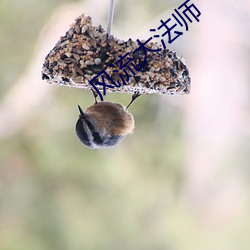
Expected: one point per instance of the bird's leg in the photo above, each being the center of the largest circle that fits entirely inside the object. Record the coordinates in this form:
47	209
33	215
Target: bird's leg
95	95
134	97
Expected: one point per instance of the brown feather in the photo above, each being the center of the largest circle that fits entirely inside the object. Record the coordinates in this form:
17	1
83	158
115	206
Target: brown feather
111	117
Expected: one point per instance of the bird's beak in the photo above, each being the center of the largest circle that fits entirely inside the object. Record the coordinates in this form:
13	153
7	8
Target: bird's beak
82	115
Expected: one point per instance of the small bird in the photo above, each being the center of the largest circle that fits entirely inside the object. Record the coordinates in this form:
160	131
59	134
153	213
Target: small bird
104	124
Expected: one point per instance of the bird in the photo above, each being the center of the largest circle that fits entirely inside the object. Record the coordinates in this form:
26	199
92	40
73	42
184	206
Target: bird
104	124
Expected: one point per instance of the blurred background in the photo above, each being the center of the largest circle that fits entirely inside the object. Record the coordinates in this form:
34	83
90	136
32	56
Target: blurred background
180	182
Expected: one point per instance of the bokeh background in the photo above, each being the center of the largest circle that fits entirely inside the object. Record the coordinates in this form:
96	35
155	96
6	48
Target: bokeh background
180	182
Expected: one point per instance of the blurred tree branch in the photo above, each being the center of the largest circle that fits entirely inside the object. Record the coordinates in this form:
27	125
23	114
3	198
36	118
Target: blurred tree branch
29	93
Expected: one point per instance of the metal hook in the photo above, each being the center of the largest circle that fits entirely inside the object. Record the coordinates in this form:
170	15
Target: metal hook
110	16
